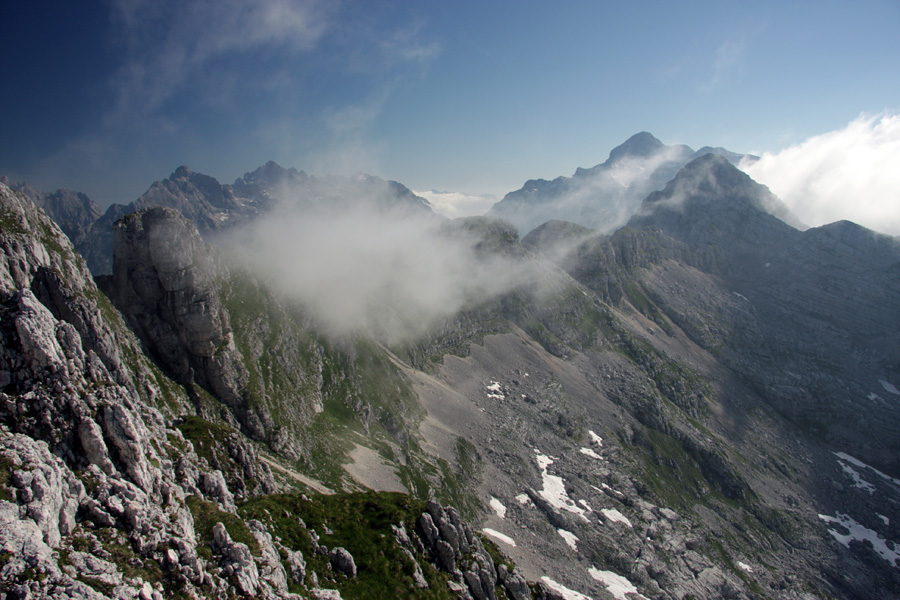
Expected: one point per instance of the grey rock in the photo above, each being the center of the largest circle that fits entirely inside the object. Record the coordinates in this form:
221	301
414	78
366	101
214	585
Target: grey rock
428	530
342	561
91	437
446	556
238	560
297	566
516	587
418	575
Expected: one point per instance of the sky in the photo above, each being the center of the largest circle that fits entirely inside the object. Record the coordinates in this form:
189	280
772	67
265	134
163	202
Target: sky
467	98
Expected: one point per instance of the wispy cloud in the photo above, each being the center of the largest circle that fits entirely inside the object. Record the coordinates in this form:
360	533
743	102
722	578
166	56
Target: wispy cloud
728	62
167	44
851	174
406	45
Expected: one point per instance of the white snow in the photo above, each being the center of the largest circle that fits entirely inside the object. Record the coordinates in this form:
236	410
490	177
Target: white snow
614	515
498	507
740	296
862	465
591	453
586	506
745	567
858	481
884	519
523	499
571	538
887	549
496	392
889	387
618	586
554	490
596	438
563	590
499	536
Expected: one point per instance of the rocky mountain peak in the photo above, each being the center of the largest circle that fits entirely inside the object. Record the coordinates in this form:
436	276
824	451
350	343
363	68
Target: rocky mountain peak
181	172
711	184
641	144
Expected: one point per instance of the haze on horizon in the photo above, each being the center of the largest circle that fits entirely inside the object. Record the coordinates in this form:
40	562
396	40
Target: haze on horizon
106	97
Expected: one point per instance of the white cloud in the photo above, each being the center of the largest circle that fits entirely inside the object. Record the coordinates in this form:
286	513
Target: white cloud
849	174
728	63
458	204
168	44
358	267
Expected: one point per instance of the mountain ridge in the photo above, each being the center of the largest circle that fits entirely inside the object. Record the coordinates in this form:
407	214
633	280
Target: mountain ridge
605	196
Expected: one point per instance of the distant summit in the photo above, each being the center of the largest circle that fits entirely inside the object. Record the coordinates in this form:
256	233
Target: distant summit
605	196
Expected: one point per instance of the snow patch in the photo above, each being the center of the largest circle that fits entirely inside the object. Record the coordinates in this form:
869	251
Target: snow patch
523	499
618	586
585	505
554	488
498	507
858	481
591	453
495	391
614	515
596	438
884	519
862	465
745	566
742	297
499	536
571	538
889	387
884	548
563	591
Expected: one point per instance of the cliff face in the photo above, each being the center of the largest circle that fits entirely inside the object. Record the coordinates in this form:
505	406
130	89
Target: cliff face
164	281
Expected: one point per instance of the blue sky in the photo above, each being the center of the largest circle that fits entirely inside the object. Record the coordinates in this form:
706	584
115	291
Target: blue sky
106	97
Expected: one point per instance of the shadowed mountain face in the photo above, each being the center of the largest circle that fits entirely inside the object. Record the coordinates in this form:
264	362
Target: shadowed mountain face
820	297
603	197
702	404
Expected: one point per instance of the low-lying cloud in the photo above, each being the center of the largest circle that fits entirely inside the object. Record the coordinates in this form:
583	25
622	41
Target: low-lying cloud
850	174
458	204
602	198
388	272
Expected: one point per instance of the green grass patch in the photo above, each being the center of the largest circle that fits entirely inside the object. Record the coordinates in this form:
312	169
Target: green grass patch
208	438
360	523
10	222
6	469
207	514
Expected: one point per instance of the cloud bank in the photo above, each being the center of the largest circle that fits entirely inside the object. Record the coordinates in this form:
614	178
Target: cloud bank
389	272
458	204
850	174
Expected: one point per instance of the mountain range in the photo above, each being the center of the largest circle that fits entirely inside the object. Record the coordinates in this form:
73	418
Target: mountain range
605	196
667	389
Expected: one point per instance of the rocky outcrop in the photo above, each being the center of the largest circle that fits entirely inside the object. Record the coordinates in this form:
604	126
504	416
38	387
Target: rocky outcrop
164	282
458	550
